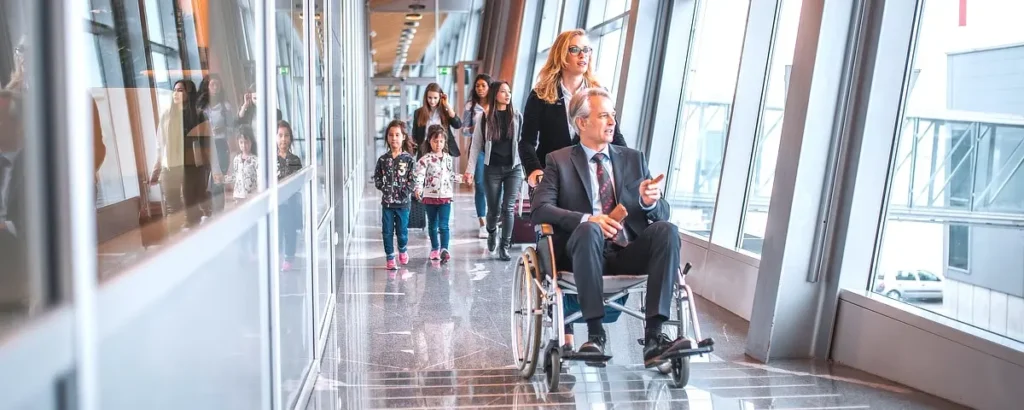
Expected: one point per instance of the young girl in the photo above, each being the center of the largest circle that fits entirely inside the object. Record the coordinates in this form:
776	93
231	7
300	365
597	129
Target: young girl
435	180
290	212
245	167
394	176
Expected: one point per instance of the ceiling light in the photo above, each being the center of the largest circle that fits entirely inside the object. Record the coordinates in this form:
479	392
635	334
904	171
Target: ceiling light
412	24
414	16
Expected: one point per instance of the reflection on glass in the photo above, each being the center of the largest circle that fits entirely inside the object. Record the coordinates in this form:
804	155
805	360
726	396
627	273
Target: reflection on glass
766	146
608	56
296	316
322	175
699	143
172	113
204	341
324	260
952	234
22	292
290	78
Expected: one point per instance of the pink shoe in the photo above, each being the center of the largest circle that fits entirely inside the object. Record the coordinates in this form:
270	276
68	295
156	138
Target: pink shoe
392	265
435	255
403	258
286	265
445	255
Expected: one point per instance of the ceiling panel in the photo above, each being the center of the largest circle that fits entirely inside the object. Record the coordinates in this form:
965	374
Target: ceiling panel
388	28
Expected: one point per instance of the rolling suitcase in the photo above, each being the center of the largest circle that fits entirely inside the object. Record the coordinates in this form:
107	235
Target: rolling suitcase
417	215
522	226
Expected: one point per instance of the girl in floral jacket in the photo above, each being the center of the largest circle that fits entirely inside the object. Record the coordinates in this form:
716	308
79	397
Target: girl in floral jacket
435	187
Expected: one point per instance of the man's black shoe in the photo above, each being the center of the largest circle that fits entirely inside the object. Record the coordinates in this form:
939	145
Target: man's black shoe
594	346
655	346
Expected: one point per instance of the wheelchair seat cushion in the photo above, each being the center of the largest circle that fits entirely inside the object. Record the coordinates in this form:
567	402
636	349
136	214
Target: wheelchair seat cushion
612	284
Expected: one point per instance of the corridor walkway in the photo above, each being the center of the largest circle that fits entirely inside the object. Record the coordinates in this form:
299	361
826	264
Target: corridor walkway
438	336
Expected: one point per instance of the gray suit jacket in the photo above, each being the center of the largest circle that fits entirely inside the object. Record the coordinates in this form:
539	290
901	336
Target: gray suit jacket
564	194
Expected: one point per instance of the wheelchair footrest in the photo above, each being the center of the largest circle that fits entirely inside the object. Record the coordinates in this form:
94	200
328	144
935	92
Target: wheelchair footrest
703	346
587	357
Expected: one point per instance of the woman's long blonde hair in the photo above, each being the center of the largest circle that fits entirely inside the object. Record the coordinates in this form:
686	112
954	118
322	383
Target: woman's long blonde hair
547	81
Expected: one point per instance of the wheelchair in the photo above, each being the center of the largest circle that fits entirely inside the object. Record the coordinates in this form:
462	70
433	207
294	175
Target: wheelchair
540	309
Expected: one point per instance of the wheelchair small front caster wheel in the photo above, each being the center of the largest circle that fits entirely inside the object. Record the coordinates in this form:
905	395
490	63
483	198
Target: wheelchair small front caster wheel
665	368
680	372
554	369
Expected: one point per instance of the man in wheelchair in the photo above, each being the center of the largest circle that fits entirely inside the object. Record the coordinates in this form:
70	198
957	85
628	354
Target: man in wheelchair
582	185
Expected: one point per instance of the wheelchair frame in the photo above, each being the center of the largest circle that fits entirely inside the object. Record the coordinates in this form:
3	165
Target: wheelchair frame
537	309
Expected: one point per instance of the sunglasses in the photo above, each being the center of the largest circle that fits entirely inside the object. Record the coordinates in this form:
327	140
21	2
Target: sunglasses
574	50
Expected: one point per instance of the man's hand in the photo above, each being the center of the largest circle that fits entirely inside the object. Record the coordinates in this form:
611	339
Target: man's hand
609	226
534	177
650	191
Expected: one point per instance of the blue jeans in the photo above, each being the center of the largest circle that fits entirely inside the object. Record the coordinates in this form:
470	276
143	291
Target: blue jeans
481	190
437	220
394	220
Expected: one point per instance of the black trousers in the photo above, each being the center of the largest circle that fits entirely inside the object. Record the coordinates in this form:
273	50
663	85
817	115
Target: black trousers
654	252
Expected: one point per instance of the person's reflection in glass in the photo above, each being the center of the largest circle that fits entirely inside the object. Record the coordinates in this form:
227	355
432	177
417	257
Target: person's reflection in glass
290	212
14	286
223	118
180	159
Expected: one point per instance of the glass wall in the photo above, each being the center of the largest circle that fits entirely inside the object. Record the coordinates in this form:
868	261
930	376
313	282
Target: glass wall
698	147
180	187
953	224
769	129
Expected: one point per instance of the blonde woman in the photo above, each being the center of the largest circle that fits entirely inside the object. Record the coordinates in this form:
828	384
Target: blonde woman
546	126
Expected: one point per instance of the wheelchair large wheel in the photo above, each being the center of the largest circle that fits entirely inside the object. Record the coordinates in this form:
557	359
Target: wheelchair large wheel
525	309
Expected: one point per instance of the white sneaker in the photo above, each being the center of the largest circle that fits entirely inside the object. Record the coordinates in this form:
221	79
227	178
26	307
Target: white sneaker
483	233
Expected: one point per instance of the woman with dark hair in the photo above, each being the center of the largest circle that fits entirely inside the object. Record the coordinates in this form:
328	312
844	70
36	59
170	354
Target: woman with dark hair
498	134
223	117
182	166
290	213
546	128
477	105
436	111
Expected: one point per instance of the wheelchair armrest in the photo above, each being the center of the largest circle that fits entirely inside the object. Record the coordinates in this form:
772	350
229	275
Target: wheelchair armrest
544	230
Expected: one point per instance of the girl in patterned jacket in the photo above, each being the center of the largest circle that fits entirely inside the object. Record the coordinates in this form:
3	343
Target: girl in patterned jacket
394	177
435	187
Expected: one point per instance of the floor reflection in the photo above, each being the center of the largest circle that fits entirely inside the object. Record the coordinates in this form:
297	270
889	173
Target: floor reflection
438	336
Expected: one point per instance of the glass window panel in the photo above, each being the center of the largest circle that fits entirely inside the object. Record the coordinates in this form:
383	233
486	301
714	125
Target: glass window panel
548	24
296	302
703	119
203	339
291	74
769	130
955	195
24	290
154	22
320	125
196	145
324	259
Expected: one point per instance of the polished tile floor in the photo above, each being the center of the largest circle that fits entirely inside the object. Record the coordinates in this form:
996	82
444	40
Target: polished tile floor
438	336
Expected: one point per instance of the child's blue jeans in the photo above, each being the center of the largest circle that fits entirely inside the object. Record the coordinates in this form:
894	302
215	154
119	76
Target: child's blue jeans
394	220
437	220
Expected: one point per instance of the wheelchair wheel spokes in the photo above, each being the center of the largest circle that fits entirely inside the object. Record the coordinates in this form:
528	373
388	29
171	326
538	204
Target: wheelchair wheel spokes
526	322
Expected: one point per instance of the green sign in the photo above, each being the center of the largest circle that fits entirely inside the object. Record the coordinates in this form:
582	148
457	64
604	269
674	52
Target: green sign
444	70
283	70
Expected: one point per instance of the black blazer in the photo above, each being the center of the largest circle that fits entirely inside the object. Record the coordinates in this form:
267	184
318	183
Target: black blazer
546	130
564	194
419	132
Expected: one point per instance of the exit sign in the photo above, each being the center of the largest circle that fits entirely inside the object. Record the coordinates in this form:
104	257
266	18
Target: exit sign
446	70
283	70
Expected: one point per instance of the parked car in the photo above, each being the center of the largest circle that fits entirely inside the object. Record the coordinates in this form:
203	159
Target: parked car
909	284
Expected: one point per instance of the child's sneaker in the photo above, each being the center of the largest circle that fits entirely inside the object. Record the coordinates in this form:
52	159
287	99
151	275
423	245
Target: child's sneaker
445	255
403	258
392	265
434	255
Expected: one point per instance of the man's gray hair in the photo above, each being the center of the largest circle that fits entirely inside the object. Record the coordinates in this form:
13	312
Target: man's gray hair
579	106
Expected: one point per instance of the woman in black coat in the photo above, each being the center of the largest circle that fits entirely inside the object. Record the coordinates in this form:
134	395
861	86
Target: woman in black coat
546	117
